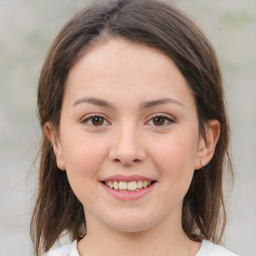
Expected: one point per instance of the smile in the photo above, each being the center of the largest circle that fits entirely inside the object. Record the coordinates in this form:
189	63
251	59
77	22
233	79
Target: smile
131	186
128	188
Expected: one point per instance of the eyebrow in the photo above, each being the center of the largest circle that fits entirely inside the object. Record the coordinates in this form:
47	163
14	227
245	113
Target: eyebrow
94	101
147	104
153	103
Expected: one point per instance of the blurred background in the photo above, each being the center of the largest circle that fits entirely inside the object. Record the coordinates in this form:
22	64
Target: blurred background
27	29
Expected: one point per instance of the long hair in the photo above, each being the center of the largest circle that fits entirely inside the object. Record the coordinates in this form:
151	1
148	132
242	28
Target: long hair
155	24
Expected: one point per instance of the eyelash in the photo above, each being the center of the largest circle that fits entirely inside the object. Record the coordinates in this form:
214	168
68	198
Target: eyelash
90	119
166	119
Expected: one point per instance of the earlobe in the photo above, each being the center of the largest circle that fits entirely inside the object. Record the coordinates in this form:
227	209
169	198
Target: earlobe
52	135
207	145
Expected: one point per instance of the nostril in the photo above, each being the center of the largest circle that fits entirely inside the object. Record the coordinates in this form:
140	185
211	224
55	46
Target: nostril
126	161
127	151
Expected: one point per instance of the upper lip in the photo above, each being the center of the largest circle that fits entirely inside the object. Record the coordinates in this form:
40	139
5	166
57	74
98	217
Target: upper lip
120	177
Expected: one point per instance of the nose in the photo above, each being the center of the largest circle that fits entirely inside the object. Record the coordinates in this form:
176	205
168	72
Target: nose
127	147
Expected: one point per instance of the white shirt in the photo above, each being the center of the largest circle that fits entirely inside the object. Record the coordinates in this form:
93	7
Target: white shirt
207	249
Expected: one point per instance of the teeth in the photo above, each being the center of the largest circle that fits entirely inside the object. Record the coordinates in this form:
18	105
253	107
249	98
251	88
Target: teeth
115	185
140	184
128	186
132	185
123	185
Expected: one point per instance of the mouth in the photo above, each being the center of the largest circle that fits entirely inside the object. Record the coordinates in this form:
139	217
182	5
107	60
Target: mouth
131	186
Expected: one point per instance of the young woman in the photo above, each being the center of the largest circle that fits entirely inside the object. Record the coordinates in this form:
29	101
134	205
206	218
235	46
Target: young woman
135	136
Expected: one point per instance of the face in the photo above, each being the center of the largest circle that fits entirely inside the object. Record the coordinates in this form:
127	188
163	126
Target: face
129	137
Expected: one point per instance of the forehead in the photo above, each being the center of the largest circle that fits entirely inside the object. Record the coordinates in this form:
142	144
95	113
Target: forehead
121	66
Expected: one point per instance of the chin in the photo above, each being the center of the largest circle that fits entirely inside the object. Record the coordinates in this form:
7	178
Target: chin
131	224
130	228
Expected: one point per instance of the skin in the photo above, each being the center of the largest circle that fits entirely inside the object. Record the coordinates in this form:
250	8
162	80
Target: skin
129	140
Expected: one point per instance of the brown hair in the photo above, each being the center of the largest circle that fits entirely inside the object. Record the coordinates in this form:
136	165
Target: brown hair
155	24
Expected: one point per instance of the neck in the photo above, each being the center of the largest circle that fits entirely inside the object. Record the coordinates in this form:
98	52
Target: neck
160	240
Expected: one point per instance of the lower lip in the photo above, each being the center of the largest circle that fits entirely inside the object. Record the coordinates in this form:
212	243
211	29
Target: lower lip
128	196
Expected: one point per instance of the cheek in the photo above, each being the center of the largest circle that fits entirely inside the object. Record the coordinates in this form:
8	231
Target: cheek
175	158
83	158
83	153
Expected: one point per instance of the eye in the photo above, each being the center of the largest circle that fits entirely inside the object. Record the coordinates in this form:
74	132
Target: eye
95	120
160	120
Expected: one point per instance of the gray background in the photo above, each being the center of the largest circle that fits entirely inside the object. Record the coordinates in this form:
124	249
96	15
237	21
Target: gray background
27	28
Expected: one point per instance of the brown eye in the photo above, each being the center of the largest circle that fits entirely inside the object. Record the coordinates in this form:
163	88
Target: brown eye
159	120
97	121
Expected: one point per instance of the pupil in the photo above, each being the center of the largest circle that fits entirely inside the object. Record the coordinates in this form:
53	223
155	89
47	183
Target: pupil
158	121
97	121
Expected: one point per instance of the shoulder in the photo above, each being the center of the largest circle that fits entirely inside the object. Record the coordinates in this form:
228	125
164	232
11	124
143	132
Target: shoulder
210	249
66	250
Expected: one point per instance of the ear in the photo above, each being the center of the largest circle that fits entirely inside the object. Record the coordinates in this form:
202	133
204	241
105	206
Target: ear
53	136
207	145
